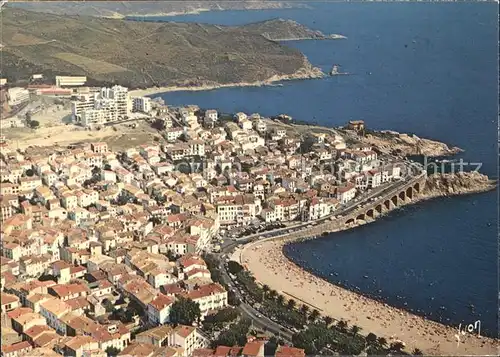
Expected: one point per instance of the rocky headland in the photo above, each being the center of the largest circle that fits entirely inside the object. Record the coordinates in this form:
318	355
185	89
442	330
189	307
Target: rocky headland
400	144
459	183
288	30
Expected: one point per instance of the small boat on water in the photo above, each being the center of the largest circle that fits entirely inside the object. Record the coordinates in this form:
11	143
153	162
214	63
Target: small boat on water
334	70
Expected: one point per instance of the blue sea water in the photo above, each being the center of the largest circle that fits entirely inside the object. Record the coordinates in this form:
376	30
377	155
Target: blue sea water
424	68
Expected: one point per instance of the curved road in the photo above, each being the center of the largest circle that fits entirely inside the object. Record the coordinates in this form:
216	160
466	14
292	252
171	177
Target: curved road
257	318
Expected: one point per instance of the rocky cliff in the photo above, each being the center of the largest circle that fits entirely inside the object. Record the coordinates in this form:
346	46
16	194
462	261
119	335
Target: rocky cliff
442	185
392	142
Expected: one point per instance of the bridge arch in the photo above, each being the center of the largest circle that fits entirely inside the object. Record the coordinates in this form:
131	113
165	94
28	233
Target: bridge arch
409	193
402	196
371	213
394	200
379	209
349	221
417	187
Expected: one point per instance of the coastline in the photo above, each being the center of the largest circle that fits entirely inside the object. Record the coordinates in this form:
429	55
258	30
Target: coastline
266	260
306	72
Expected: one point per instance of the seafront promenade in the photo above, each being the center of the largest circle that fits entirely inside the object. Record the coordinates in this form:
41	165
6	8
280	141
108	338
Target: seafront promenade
265	259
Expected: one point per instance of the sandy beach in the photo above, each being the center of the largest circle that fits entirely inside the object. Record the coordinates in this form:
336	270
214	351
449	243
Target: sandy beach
270	266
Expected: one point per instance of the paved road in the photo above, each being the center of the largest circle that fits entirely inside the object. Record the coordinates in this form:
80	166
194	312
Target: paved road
346	209
258	319
228	246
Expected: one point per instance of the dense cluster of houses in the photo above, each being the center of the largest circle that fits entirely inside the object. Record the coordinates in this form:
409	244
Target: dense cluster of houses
108	228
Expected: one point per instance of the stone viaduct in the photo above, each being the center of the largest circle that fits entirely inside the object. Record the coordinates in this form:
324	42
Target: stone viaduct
390	200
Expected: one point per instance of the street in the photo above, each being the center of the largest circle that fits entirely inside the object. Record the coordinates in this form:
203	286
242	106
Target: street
229	245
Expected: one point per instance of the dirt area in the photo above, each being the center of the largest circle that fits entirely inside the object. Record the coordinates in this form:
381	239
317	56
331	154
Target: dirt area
121	138
54	116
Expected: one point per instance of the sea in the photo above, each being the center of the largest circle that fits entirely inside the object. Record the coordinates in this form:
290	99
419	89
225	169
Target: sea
429	69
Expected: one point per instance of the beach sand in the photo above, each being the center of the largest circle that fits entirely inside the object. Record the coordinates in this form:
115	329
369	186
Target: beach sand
270	266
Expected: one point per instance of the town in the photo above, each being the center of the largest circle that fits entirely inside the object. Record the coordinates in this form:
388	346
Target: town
108	252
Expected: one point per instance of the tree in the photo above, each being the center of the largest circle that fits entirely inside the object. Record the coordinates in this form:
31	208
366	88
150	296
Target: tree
382	342
34	124
314	315
280	299
328	320
304	309
371	339
30	172
112	351
185	311
291	304
233	267
158	124
396	347
355	329
272	294
265	289
417	352
342	325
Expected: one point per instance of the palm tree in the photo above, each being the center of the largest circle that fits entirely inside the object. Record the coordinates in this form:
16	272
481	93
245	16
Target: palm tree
328	320
382	342
272	294
291	304
371	339
304	309
342	325
396	347
417	352
314	315
265	289
280	299
355	329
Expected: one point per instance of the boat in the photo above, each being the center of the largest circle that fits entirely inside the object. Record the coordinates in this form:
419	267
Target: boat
334	70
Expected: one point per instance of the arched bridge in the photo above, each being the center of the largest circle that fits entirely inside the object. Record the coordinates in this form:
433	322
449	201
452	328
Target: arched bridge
390	200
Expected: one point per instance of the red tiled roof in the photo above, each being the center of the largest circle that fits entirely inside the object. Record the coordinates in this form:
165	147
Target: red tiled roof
16	347
252	348
161	301
286	351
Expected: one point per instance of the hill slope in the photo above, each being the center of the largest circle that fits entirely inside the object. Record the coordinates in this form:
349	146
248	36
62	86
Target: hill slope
145	7
140	54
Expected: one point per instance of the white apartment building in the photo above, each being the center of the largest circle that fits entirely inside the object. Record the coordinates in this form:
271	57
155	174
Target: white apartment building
18	95
210	297
106	106
141	104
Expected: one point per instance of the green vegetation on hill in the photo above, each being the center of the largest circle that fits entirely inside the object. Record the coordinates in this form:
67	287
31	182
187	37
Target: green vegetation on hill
140	54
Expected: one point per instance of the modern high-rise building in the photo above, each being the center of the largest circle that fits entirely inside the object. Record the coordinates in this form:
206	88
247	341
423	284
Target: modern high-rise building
141	104
104	106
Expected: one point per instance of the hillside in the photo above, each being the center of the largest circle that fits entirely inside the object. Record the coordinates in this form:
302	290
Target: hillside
140	54
145	7
284	30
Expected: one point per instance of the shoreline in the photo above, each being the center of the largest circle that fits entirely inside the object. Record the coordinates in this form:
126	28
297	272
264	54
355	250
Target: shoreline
304	73
267	261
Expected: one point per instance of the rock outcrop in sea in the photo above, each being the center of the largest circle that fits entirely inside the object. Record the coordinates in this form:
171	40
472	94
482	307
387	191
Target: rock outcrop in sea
395	143
460	183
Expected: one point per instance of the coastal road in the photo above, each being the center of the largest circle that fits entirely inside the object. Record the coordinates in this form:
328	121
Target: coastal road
346	209
258	319
247	310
